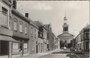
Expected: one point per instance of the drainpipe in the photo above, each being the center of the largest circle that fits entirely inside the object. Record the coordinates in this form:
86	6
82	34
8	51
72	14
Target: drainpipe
10	50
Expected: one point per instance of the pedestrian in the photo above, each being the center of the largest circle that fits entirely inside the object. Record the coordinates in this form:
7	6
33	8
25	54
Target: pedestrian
21	49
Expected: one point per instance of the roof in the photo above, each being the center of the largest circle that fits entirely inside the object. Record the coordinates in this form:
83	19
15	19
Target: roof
87	27
16	12
32	23
38	23
6	38
66	34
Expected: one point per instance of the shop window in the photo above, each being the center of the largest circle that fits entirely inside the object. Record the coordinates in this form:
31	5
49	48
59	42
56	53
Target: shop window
25	46
15	45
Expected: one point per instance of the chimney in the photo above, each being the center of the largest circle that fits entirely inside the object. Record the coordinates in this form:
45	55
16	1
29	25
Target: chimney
14	4
26	15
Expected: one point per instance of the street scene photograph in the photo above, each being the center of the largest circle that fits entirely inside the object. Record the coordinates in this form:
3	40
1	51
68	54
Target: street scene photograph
44	29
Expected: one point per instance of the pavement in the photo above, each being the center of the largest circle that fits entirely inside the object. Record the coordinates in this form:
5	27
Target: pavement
55	54
82	56
31	55
39	54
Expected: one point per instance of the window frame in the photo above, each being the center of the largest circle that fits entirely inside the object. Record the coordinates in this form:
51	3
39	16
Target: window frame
15	26
20	28
26	30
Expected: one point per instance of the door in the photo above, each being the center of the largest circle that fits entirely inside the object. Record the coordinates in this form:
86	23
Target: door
4	48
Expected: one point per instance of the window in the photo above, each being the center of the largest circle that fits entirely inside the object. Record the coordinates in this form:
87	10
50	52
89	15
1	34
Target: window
20	28
31	31
65	28
4	11
25	30
15	25
25	46
35	34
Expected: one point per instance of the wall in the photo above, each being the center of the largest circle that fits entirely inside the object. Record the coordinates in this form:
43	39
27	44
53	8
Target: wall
33	37
4	19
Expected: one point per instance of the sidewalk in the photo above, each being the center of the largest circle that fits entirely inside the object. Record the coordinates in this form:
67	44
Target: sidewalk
14	56
39	54
31	55
82	55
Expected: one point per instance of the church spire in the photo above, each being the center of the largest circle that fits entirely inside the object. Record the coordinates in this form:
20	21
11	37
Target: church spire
65	25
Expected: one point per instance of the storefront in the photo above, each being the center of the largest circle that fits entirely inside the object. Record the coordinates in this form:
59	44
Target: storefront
6	42
20	47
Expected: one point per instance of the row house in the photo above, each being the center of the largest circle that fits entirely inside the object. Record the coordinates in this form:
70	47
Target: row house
85	38
42	37
5	32
56	43
33	36
73	44
81	42
45	41
14	30
19	34
78	42
50	38
19	24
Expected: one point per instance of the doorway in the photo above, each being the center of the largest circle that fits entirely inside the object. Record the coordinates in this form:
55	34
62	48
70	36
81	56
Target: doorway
4	48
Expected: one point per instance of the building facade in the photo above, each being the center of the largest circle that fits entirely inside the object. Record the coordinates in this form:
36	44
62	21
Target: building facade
42	37
33	36
82	40
20	35
50	38
19	24
5	33
45	39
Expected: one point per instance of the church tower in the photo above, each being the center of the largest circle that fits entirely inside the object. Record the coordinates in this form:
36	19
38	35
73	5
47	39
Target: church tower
65	25
65	37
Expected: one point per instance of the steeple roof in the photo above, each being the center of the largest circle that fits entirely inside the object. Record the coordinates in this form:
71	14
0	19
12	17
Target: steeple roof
65	30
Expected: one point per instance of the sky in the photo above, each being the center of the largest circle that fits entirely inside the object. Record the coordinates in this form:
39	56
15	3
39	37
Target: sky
53	12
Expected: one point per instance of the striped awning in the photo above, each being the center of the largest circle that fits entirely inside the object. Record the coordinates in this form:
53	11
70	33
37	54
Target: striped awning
6	38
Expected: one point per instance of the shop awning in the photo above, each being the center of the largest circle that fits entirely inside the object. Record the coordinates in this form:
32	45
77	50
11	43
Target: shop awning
6	38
